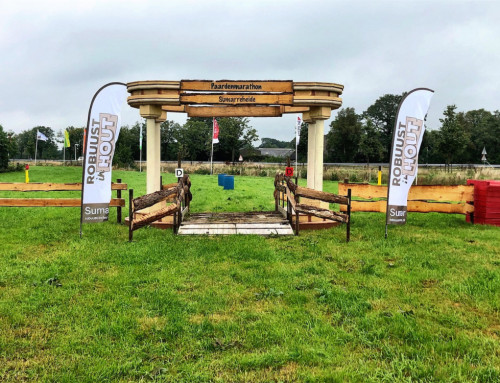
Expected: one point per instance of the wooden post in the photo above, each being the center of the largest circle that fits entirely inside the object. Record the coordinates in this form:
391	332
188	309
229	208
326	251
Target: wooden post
276	196
119	209
349	216
174	217
130	215
179	163
296	222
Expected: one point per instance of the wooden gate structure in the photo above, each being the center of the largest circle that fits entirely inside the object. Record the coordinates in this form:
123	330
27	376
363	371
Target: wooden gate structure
142	213
234	98
288	197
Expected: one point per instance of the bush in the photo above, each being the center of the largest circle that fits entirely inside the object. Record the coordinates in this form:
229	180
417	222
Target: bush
12	168
202	171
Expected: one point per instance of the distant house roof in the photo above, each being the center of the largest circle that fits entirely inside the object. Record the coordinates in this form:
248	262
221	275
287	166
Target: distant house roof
276	152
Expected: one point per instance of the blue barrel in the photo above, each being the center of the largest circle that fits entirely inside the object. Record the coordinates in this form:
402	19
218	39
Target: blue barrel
220	180
228	182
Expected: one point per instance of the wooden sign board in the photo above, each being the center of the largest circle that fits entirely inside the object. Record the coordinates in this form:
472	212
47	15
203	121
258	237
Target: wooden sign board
237	99
237	86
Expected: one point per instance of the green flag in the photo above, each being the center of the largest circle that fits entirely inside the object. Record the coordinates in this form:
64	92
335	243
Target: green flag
66	139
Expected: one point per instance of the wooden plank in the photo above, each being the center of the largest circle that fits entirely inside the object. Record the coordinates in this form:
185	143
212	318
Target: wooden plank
169	186
154	216
236	86
321	195
38	186
364	190
442	193
287	231
234	111
450	208
413	206
174	108
282	210
417	192
237	99
296	109
184	212
51	202
19	186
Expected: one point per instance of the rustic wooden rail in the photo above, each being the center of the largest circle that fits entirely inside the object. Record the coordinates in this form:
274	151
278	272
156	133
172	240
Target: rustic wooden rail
288	194
179	194
421	198
117	202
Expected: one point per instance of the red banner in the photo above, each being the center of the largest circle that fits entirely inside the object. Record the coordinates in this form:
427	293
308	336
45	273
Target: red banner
215	138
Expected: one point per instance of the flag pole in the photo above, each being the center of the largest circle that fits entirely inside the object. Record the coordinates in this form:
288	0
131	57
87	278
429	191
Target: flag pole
212	151
36	145
140	148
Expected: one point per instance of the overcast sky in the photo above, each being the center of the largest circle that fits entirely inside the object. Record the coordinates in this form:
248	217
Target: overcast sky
56	54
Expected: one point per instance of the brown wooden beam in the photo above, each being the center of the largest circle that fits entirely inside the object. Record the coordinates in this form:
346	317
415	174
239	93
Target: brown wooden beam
233	111
236	99
51	202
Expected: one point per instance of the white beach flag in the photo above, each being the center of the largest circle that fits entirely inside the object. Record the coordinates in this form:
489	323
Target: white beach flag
297	129
407	137
103	128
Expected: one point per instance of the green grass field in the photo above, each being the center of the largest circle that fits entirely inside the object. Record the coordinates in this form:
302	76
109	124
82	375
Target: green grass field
421	306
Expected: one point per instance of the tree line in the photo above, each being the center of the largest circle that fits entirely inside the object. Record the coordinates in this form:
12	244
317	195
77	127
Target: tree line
367	137
352	137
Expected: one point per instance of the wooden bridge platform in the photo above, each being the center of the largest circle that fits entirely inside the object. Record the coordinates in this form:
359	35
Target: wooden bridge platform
257	223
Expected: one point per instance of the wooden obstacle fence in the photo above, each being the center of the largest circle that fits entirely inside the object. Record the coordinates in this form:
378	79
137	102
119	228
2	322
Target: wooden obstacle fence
421	198
179	194
117	202
287	196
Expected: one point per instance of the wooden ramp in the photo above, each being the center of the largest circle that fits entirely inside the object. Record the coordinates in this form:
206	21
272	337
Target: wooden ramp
257	223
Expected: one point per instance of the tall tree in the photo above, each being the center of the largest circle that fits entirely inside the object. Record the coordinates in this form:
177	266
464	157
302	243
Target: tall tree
370	148
383	115
484	132
274	143
195	138
342	141
4	149
234	134
169	131
302	146
453	138
26	142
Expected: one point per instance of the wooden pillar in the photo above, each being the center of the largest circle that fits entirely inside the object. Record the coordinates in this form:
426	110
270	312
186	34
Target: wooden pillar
151	113
311	154
153	165
315	144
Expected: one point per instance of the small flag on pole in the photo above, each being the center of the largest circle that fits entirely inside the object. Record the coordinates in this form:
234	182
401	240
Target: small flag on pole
297	129
66	139
84	141
140	138
215	138
41	136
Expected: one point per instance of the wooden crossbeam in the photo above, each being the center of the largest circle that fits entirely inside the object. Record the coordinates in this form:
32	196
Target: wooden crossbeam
417	192
321	213
413	206
34	186
54	202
